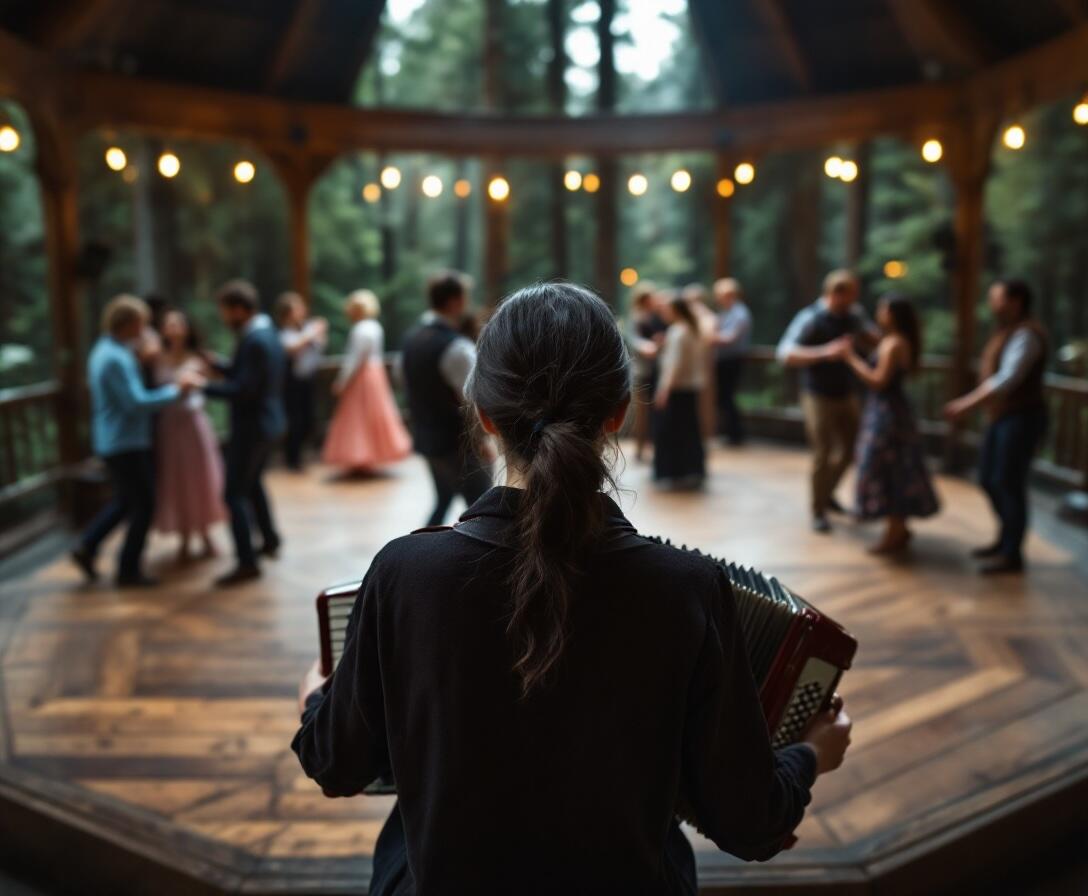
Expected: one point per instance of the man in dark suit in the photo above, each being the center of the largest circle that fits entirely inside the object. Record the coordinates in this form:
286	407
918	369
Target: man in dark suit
253	384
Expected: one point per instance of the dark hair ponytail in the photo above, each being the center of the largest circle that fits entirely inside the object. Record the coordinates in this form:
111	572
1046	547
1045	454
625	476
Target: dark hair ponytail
906	324
551	369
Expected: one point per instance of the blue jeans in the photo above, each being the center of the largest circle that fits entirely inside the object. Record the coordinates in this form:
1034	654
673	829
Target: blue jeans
133	477
1004	464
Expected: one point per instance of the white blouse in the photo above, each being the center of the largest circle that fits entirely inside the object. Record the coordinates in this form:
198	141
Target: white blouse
365	342
683	362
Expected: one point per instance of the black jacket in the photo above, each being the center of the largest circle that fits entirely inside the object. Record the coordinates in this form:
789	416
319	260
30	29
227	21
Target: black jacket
253	385
573	789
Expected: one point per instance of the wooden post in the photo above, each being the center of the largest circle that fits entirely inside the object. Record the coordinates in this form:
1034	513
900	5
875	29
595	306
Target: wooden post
969	165
496	239
722	216
56	164
857	207
557	96
297	172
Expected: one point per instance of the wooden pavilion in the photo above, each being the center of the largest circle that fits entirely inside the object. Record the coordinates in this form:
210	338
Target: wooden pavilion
90	759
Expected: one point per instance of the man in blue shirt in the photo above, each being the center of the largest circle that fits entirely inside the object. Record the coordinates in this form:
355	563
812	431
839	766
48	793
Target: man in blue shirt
731	342
121	411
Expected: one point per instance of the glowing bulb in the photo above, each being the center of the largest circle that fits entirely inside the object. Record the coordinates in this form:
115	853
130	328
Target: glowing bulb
744	173
390	177
169	165
932	151
726	188
116	160
432	186
1080	111
372	193
9	139
572	180
244	172
637	184
498	188
833	166
628	276
591	183
681	180
849	171
462	188
1015	137
895	269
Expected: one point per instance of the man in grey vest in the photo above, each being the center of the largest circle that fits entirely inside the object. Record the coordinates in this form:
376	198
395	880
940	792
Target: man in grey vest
436	362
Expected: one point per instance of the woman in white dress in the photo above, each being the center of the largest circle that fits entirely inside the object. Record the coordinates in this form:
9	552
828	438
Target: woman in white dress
366	431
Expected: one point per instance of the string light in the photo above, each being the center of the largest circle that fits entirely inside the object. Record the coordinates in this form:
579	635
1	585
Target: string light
462	188
833	166
498	188
849	171
572	180
169	165
895	269
591	183
9	139
628	276
432	186
1014	137
726	188
681	180
744	173
1080	111
932	150
116	160
245	171
390	177
637	184
372	193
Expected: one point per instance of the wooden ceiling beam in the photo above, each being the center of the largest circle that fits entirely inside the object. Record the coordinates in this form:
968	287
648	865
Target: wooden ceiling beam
1075	10
936	30
291	44
69	24
784	38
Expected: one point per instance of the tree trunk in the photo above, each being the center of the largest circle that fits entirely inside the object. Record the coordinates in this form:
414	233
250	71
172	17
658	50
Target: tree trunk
607	212
557	99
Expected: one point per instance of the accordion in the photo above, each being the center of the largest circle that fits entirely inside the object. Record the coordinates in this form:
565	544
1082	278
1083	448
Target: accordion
797	654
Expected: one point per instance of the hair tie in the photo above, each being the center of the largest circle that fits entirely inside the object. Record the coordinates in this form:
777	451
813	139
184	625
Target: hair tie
538	427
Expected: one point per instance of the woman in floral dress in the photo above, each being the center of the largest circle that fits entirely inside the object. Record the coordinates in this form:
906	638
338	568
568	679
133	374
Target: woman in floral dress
892	481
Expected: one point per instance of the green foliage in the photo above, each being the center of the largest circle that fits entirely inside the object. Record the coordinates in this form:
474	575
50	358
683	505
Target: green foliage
25	341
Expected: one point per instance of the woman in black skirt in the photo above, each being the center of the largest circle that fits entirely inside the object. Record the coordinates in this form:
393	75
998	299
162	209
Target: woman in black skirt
542	682
678	437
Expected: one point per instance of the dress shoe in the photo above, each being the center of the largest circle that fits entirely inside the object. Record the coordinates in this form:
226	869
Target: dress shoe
821	525
834	506
990	550
1001	566
135	580
238	576
82	558
270	549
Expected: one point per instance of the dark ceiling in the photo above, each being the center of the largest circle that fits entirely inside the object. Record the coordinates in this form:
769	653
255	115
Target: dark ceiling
755	50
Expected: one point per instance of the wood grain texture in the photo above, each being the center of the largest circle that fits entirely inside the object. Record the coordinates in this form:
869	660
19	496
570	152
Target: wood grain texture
167	713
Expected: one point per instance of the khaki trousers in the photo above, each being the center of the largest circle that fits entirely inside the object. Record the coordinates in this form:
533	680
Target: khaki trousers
832	428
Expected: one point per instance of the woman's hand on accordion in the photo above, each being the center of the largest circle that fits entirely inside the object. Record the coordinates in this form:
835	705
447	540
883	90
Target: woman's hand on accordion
312	681
829	736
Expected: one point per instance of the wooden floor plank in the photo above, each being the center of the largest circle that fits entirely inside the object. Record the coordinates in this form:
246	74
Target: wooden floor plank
179	701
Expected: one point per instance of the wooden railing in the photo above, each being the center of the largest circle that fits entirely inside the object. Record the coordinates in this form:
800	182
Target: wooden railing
30	461
770	393
29	456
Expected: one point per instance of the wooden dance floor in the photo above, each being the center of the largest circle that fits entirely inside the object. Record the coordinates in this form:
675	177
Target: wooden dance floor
148	731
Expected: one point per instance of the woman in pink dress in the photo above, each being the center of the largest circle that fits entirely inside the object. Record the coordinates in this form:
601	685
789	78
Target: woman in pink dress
189	465
366	431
